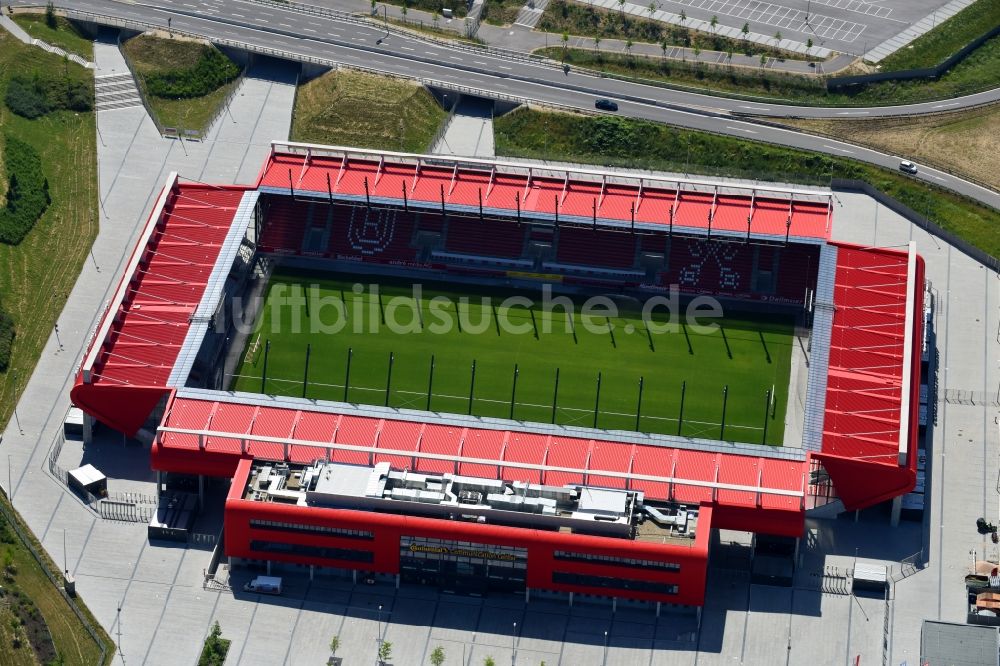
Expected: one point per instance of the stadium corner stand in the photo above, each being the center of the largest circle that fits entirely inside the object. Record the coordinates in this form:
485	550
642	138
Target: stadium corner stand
487	504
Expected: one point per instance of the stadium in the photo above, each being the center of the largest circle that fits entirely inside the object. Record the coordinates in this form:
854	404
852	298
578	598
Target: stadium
563	433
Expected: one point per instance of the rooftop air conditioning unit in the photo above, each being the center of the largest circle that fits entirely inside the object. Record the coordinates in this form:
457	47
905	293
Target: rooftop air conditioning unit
470	497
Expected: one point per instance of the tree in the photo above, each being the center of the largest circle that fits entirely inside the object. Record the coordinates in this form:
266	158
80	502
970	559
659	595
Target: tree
652	9
729	57
628	47
621	9
763	60
697	51
663	48
489	662
777	38
684	16
597	43
50	15
714	22
809	43
334	644
746	30
437	656
404	11
565	41
373	8
384	652
437	18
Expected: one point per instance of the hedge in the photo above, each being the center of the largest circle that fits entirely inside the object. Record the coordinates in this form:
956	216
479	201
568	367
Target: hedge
38	94
27	190
212	70
6	339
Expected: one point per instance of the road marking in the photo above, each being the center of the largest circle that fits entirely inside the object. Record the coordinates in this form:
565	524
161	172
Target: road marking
479	62
240	15
740	129
756	108
507	68
852	113
308	30
938	178
843	150
284	25
406	48
941	106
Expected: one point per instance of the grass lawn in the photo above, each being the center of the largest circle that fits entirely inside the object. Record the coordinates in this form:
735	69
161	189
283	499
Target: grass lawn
497	335
33	286
71	639
945	39
152	55
353	109
501	12
193	113
65	35
616	141
943	140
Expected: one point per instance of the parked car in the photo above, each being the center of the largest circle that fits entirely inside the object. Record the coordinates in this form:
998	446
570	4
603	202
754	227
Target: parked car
907	166
605	104
264	585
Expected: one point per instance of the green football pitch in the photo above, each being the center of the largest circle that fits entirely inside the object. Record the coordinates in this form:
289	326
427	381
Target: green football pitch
513	359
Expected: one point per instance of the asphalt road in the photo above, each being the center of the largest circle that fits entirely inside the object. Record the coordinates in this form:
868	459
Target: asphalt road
360	45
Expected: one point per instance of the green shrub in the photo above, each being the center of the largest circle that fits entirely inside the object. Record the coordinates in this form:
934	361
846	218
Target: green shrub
212	70
216	648
27	191
43	93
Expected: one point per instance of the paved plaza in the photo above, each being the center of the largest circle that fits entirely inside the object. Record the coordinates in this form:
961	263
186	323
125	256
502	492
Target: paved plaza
166	611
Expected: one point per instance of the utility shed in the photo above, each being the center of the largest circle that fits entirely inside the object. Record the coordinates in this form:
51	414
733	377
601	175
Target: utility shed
88	479
952	644
870	577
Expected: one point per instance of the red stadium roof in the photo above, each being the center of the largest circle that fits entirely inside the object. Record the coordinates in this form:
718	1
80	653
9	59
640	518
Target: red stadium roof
518	189
200	435
136	344
872	400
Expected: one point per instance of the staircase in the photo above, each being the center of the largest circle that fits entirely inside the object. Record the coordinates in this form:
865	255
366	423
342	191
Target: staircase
116	91
531	13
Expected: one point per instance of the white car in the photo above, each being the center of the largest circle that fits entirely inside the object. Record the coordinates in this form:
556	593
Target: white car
907	166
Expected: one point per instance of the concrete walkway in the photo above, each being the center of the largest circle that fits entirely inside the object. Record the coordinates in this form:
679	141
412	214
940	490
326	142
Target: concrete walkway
470	130
113	561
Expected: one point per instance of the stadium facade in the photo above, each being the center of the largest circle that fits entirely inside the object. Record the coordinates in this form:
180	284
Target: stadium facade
479	504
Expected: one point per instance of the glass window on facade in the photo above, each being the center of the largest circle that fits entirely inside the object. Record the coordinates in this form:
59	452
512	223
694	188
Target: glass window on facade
310	529
281	548
613	583
617	561
462	565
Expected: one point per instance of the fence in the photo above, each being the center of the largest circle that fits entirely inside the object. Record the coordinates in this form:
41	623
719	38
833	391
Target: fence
840	82
916	218
43	563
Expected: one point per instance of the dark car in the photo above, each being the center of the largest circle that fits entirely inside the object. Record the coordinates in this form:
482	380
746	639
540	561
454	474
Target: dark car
606	105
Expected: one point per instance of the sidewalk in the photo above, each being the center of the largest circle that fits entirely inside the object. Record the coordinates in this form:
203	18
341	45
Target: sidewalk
108	558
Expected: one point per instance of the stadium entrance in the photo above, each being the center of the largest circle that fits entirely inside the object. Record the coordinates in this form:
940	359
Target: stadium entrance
462	567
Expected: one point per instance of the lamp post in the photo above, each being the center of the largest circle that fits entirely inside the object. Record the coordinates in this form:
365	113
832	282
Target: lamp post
378	638
605	662
513	646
